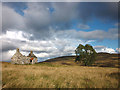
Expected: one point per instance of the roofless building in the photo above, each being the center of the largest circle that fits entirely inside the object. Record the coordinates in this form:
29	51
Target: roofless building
18	58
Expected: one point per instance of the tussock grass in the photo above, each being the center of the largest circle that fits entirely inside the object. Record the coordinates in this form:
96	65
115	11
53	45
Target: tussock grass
54	76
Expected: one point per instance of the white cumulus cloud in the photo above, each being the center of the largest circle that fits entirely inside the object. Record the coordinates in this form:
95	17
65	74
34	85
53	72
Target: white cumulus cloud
104	49
118	50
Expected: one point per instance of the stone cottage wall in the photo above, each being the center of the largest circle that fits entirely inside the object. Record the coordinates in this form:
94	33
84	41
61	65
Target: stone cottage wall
18	58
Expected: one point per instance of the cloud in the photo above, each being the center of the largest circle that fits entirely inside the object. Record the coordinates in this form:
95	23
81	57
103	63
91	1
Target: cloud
83	26
0	17
117	24
17	6
118	50
41	48
18	35
104	49
99	47
37	17
85	11
11	19
6	55
48	33
7	46
60	45
38	20
91	35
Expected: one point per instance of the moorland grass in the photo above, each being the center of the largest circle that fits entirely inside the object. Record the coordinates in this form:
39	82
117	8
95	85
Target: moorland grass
44	75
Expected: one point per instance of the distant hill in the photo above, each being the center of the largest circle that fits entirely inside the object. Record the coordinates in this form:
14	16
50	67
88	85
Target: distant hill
103	60
65	58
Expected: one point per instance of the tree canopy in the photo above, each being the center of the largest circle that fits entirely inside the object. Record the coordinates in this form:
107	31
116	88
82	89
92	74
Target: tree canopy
85	54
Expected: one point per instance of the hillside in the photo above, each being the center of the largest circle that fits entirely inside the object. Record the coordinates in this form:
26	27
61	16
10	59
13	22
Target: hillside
103	60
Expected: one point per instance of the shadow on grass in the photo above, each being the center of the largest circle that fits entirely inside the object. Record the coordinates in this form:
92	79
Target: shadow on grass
115	75
46	64
65	63
107	65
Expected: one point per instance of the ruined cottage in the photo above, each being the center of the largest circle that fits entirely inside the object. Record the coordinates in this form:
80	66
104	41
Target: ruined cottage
18	58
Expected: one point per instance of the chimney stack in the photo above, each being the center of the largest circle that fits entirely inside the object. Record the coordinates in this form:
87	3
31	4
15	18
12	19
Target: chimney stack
31	52
17	50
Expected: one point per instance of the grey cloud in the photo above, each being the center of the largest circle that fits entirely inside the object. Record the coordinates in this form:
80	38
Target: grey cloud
102	10
5	56
16	6
99	47
35	51
42	48
11	19
7	46
51	40
0	17
59	46
37	16
85	11
91	35
73	34
117	24
38	19
83	26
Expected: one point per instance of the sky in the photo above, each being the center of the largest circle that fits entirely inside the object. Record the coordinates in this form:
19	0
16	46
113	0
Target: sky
53	29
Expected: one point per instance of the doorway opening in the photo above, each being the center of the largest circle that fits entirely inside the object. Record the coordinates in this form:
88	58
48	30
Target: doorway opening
30	60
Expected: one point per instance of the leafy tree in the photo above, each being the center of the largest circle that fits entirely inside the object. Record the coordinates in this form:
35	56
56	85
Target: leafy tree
85	54
79	53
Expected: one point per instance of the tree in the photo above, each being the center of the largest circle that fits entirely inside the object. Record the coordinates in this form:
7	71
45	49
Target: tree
85	54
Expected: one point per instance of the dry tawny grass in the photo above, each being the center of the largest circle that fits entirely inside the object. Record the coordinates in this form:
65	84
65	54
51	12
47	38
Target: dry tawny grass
64	76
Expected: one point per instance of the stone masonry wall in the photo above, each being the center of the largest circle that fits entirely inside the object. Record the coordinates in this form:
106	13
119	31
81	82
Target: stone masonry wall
18	58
